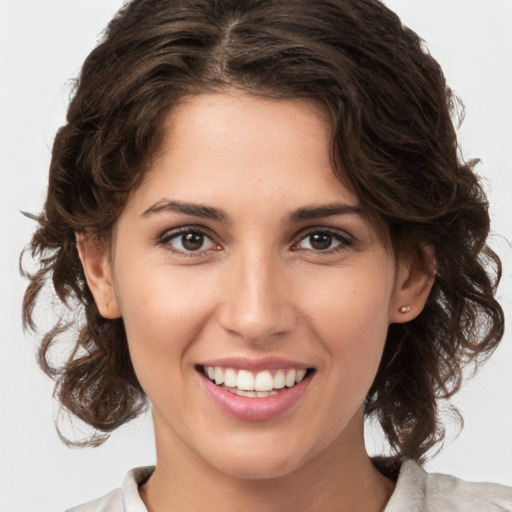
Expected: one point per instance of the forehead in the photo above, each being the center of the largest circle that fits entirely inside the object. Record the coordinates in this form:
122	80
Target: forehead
229	143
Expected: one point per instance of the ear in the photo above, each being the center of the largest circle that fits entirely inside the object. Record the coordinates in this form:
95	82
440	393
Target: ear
94	256
415	278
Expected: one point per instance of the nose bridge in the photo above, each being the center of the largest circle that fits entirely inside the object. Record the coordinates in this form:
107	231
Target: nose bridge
257	305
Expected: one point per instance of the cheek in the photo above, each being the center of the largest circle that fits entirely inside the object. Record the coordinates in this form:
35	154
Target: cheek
352	299
349	314
162	313
158	296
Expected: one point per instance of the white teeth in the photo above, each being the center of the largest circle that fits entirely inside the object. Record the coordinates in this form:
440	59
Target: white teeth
245	380
241	392
264	381
279	380
230	378
261	384
290	378
301	373
252	394
219	376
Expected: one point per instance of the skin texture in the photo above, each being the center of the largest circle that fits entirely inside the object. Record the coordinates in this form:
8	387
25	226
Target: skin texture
256	288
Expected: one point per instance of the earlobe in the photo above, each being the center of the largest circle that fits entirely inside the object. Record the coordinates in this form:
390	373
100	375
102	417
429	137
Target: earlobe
414	282
94	256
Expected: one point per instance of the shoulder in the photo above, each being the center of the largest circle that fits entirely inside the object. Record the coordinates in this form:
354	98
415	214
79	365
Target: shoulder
448	491
432	492
111	502
125	499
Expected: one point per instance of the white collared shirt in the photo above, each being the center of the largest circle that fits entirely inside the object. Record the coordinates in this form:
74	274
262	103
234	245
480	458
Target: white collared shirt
415	491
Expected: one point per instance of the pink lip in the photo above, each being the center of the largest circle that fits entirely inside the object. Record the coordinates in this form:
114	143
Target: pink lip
254	365
254	409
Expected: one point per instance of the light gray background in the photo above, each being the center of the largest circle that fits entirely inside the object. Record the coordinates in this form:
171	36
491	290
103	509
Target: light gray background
42	45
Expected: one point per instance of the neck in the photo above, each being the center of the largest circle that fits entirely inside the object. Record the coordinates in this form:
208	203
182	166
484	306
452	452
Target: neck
341	478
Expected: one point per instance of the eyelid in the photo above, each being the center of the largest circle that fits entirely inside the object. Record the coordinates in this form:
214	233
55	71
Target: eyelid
345	239
170	234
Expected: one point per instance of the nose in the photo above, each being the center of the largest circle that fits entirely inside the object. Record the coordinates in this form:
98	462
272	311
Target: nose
257	305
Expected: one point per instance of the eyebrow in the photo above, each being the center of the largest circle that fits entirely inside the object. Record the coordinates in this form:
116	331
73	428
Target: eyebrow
319	212
197	210
209	212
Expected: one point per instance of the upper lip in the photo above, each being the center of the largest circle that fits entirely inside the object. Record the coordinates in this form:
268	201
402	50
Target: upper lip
255	365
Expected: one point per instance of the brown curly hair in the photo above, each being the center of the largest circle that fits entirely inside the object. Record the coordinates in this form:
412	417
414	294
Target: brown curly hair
392	116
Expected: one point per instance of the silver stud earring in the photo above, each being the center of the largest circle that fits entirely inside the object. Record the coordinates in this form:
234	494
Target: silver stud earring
405	309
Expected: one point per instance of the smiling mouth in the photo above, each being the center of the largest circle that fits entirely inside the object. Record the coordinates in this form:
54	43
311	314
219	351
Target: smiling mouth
255	384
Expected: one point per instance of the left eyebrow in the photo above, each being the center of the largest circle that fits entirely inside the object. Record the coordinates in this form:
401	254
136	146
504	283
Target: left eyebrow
197	210
321	211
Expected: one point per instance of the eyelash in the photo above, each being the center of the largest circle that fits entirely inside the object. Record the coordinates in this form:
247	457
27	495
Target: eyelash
344	240
175	234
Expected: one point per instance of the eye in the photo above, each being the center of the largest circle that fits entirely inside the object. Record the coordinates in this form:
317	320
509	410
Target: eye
188	241
323	241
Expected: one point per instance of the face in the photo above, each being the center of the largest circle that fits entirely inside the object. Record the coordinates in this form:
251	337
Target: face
256	297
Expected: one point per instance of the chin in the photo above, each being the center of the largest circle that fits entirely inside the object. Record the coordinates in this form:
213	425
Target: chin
263	467
266	459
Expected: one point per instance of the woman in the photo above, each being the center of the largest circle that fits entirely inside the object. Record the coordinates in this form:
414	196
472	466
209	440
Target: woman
263	337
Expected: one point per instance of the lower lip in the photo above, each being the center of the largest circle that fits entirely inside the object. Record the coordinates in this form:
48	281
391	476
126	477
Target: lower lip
255	408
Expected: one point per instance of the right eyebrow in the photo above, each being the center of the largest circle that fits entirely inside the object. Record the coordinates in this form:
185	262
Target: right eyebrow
321	211
197	210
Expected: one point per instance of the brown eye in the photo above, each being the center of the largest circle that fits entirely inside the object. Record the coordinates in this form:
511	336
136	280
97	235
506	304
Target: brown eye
320	241
188	241
192	241
324	241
